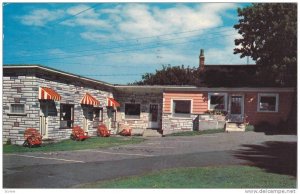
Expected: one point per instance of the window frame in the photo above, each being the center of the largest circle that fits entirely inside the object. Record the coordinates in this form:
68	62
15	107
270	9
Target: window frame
100	109
132	117
72	116
218	94
17	113
276	95
181	114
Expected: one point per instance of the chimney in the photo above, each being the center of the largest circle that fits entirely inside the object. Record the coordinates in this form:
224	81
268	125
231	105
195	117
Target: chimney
201	60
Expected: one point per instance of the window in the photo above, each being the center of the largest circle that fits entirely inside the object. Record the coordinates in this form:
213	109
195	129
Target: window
181	106
66	115
97	116
17	108
268	103
217	101
132	111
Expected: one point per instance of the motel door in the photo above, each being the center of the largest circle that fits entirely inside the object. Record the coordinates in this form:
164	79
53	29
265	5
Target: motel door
112	116
236	107
44	119
153	114
87	116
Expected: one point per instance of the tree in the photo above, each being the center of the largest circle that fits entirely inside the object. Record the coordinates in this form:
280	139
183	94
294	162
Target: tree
168	75
269	37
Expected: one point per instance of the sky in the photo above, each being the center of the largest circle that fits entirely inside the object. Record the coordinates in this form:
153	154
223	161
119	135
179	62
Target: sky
119	42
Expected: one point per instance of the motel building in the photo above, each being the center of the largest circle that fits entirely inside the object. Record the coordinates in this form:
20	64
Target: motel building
54	101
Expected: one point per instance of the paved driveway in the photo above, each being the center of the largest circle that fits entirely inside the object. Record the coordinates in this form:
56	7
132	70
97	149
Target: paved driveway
69	168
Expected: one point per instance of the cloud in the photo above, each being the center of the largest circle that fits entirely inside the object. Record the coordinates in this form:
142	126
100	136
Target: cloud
111	27
223	54
85	16
40	17
82	11
131	20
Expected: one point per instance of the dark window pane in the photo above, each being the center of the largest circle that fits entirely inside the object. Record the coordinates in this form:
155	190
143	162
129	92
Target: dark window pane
182	106
17	108
132	110
217	102
267	103
66	115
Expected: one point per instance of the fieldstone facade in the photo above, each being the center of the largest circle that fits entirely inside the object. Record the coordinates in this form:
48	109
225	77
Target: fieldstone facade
191	122
22	87
72	92
145	99
19	88
173	124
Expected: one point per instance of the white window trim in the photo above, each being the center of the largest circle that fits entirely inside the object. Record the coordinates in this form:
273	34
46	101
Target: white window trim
12	113
182	99
137	118
276	95
218	94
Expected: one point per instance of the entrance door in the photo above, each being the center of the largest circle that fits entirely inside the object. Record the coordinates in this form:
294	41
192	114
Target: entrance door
236	104
112	116
87	116
44	119
153	114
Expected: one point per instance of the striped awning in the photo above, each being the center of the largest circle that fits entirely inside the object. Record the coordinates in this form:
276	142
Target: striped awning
48	94
89	100
112	102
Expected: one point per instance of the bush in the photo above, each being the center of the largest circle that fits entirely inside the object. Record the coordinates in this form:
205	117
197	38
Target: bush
250	128
264	126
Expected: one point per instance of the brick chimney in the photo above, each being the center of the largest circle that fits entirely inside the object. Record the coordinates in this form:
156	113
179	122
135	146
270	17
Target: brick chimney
201	60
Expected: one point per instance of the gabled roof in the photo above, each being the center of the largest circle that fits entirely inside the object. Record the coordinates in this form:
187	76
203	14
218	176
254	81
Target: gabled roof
239	85
230	76
56	71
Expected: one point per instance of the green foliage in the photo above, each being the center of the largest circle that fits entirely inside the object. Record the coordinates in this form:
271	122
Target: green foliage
269	37
203	177
250	128
65	145
168	75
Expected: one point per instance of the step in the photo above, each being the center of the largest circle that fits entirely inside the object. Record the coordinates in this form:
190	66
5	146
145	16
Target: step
151	133
235	127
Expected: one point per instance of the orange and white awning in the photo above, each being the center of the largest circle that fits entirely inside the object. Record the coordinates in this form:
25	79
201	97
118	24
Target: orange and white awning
112	102
89	100
48	94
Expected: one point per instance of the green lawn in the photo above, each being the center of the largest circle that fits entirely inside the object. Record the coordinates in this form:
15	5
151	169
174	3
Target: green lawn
193	133
65	145
205	177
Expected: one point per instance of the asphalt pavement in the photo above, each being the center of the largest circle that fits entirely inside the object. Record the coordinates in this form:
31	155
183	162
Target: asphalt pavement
70	168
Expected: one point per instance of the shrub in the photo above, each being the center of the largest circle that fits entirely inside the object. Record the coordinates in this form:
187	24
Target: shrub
265	127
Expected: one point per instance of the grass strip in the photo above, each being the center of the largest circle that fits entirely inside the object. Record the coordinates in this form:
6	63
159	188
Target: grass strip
66	145
202	177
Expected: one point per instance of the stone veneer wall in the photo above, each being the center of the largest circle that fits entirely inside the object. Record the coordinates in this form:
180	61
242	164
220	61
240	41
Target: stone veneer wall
72	92
173	124
145	99
29	81
20	88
